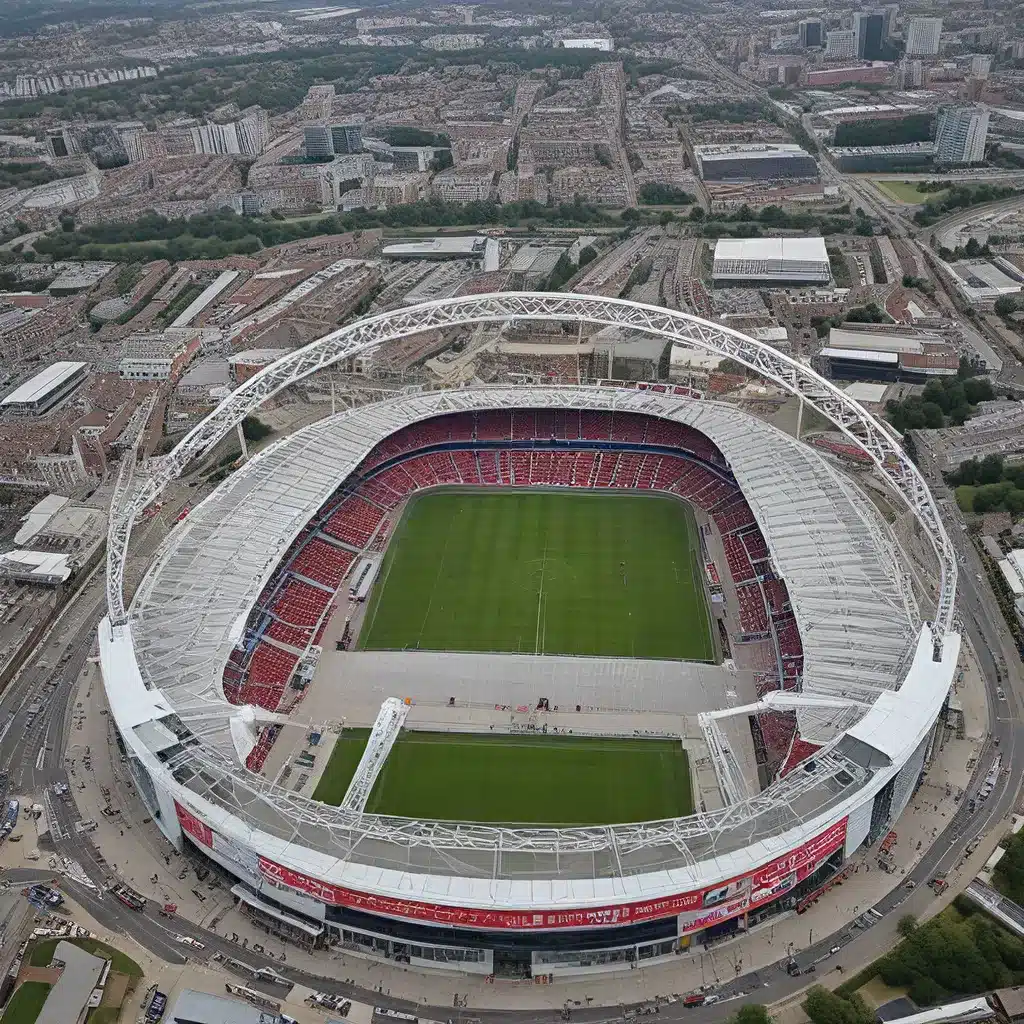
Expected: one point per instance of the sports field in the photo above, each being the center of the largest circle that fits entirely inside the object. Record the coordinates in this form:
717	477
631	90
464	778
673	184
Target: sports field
536	780
613	575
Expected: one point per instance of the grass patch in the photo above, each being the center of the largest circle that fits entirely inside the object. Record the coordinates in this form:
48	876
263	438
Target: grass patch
612	575
907	192
341	767
26	1003
103	1015
41	954
539	780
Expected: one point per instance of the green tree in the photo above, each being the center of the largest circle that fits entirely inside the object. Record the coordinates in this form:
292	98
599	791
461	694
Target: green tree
906	925
751	1013
1005	304
825	1007
254	429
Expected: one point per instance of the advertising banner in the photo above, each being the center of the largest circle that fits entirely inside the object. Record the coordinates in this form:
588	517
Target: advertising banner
198	830
695	910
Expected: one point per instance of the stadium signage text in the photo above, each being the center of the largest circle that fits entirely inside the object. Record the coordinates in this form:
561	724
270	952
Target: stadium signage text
695	910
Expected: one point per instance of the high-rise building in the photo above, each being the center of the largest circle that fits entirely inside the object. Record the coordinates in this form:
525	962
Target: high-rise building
318	141
841	44
981	64
911	74
923	37
219	139
347	138
960	135
253	131
869	27
811	33
891	12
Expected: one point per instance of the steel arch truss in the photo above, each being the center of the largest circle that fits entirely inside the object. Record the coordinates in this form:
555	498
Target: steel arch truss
877	439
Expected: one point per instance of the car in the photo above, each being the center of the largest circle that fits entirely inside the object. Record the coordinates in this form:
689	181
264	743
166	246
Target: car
1000	693
834	950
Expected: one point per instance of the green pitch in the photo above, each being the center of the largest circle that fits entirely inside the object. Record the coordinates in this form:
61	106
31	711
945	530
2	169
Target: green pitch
542	572
536	780
341	766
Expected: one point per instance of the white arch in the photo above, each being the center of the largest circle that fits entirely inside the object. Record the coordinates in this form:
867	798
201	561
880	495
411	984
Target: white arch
875	437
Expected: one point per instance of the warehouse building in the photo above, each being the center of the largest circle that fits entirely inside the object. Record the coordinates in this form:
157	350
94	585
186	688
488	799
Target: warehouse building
854	159
158	355
754	162
877	354
44	390
771	261
982	282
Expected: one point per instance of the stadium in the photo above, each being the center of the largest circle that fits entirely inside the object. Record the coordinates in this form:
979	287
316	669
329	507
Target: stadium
531	680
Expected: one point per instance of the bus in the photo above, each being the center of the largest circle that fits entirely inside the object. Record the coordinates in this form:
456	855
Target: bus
129	897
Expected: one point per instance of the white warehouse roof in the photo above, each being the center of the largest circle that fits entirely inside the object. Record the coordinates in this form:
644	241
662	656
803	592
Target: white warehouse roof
42	383
795	249
466	246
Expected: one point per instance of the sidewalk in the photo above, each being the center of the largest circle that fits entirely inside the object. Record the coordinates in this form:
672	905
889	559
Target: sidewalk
140	852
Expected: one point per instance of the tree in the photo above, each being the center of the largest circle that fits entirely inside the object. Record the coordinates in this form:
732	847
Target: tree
825	1007
697	213
1005	304
906	925
751	1013
254	429
666	218
630	215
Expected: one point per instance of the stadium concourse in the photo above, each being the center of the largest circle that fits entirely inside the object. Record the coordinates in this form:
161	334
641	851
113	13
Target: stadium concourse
807	697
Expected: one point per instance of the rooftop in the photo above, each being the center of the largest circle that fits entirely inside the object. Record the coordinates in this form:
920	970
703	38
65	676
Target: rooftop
68	998
42	383
466	245
796	249
201	1008
750	150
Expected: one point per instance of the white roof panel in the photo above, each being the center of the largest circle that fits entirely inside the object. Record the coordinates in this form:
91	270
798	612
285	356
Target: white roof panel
42	383
801	249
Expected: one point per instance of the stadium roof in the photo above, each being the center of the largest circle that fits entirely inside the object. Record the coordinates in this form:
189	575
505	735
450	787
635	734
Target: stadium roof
826	542
804	250
42	383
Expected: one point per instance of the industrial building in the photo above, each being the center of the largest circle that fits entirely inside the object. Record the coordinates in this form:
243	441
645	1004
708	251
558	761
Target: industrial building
44	390
865	74
771	260
859	159
158	355
961	134
460	247
605	45
923	36
41	567
981	282
877	354
754	162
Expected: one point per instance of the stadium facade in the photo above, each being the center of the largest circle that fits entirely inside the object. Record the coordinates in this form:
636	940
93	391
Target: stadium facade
874	673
